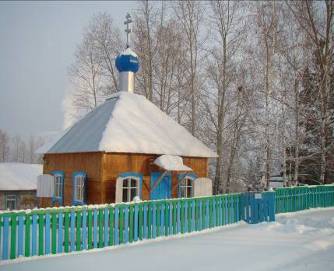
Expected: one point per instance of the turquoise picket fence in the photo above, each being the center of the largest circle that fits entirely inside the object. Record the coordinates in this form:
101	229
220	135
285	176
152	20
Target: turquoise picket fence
299	198
67	229
77	228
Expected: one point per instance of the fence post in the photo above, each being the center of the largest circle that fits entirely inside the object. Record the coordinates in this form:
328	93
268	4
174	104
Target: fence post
72	230
145	221
126	224
111	226
84	229
106	227
116	226
121	224
47	233
5	239
100	226
20	234
27	235
78	229
141	221
149	220
135	230
34	235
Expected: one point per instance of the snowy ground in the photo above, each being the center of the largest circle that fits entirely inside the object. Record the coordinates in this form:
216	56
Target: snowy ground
298	241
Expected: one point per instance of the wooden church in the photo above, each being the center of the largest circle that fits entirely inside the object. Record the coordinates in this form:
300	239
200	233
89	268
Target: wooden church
125	148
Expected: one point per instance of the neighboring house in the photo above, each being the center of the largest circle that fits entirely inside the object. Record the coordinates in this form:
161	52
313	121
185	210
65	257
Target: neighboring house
238	185
125	148
276	182
18	183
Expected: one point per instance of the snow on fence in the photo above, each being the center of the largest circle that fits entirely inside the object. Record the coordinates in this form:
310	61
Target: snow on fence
299	198
67	229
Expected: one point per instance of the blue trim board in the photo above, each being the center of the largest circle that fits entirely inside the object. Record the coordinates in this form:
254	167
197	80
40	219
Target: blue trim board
192	175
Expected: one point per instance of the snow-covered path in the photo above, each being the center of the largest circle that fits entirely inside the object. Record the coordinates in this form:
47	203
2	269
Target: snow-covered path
299	241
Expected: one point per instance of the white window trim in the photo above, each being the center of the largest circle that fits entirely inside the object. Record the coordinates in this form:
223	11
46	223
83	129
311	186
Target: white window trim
185	186
11	197
79	188
119	187
58	186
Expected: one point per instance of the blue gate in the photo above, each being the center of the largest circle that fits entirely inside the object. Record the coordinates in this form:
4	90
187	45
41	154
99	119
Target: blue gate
258	207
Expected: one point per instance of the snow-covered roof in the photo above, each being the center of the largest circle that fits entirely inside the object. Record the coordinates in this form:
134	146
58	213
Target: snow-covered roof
171	163
127	122
19	176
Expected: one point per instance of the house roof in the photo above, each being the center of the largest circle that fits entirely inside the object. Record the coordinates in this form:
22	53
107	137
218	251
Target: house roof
127	122
19	176
276	179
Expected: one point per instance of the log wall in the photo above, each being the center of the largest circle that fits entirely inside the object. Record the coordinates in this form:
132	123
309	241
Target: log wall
103	169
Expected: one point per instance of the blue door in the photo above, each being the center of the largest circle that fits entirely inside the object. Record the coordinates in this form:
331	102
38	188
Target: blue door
164	189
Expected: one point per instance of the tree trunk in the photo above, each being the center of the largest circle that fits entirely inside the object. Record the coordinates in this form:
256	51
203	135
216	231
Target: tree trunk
297	139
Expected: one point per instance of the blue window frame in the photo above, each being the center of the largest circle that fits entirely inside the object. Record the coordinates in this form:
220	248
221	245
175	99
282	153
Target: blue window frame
79	188
185	185
58	195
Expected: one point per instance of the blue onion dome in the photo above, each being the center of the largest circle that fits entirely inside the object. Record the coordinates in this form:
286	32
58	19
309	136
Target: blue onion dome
127	61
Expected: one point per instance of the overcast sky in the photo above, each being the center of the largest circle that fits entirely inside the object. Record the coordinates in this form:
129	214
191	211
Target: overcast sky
37	44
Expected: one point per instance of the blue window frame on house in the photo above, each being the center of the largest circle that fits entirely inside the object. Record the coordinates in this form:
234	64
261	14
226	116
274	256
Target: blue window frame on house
185	185
79	188
58	195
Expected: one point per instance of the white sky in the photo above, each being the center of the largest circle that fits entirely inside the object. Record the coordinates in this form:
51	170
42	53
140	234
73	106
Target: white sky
37	44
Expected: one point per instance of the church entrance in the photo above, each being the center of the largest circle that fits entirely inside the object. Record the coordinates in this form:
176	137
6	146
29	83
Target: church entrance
161	185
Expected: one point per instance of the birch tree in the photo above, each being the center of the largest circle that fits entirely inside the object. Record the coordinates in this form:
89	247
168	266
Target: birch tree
93	74
145	45
316	20
4	146
266	24
189	15
229	33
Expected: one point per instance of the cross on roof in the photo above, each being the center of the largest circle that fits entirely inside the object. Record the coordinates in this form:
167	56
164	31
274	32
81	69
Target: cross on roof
127	30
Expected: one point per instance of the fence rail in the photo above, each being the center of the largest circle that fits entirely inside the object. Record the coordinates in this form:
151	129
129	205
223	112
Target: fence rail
299	198
58	230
